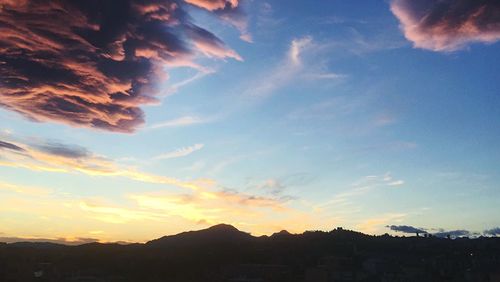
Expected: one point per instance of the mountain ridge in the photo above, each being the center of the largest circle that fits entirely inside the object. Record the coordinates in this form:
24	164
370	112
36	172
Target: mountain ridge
220	233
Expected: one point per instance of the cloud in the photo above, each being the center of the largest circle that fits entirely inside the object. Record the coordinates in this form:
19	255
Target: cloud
62	158
208	206
63	150
199	200
229	11
273	186
10	146
277	187
396	183
178	122
26	190
297	47
136	216
237	18
493	231
182	152
304	59
358	189
118	215
236	197
203	205
448	25
94	63
378	181
372	225
452	233
213	5
173	88
441	233
406	229
326	76
281	75
211	46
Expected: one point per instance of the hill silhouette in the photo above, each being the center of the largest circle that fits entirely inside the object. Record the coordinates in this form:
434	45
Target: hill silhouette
223	253
217	234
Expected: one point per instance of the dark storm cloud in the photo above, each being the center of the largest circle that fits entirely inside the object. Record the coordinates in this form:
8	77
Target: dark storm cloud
10	146
406	229
93	63
493	231
448	25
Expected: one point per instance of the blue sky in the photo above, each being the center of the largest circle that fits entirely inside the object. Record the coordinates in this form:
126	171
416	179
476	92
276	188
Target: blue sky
337	114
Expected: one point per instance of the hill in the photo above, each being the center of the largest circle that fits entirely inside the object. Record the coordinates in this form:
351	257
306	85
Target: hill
224	253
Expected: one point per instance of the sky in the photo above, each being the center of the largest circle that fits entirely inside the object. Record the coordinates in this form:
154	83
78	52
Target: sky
127	120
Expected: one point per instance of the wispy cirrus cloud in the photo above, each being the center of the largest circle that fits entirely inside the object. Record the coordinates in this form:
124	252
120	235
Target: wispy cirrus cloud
180	122
93	63
181	152
26	190
448	25
303	60
396	183
297	47
60	158
359	188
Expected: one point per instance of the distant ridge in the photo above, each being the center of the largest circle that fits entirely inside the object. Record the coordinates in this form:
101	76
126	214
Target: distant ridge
217	234
37	245
224	253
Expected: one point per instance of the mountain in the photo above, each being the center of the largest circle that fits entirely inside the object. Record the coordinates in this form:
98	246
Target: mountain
281	234
223	253
221	234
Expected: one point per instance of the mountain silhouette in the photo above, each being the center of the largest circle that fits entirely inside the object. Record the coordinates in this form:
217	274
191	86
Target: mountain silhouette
281	234
217	234
222	253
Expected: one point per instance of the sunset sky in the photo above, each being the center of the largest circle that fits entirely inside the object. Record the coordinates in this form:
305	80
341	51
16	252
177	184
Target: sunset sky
127	120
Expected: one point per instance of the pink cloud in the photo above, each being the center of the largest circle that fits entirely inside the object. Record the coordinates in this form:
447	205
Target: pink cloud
229	11
94	63
448	25
213	5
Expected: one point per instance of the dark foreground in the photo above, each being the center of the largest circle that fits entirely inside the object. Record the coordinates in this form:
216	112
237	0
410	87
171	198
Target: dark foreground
222	253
